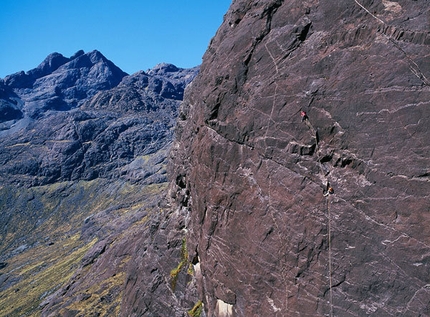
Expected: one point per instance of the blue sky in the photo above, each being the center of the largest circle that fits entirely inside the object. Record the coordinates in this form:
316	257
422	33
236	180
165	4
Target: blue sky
134	34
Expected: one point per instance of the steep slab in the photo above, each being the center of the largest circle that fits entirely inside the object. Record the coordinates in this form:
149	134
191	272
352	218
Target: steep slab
253	174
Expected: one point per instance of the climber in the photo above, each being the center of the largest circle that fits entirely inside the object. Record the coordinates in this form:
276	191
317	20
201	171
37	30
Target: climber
304	115
329	190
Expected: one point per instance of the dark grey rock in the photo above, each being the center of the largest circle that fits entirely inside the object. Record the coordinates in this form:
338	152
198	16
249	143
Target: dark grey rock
84	118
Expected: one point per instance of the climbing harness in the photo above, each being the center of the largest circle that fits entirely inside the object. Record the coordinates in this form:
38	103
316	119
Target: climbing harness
329	191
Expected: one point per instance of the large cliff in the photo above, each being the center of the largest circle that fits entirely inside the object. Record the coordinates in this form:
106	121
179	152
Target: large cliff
252	174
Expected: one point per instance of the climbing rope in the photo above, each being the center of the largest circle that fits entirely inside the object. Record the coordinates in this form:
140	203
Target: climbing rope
327	194
329	257
369	12
413	66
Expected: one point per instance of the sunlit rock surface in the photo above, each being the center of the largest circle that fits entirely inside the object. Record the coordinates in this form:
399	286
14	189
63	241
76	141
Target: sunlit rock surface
253	175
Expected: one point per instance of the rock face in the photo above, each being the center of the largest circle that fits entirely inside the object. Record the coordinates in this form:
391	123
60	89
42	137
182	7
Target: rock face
253	175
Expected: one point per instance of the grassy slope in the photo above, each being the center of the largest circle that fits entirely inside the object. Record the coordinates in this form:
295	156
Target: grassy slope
44	240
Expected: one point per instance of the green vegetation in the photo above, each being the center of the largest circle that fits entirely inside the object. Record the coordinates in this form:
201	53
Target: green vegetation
99	298
48	213
174	273
44	241
190	270
42	270
197	310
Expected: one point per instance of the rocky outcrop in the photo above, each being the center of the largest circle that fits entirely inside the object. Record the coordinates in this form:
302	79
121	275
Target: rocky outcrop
253	175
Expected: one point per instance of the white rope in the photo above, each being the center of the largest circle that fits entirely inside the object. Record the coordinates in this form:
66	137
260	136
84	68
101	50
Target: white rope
329	257
412	65
369	12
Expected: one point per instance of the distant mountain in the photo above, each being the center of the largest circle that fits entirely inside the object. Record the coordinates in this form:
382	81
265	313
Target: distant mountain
83	150
58	83
82	117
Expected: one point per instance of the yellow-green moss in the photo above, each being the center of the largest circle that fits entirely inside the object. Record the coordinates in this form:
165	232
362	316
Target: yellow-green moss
190	270
197	310
184	260
94	304
55	253
42	270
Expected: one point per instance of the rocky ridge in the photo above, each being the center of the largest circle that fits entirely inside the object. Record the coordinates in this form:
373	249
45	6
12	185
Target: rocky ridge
253	176
83	118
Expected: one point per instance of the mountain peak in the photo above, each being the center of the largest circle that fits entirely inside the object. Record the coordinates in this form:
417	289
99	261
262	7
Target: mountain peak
165	67
86	82
49	64
61	83
82	59
77	54
95	56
